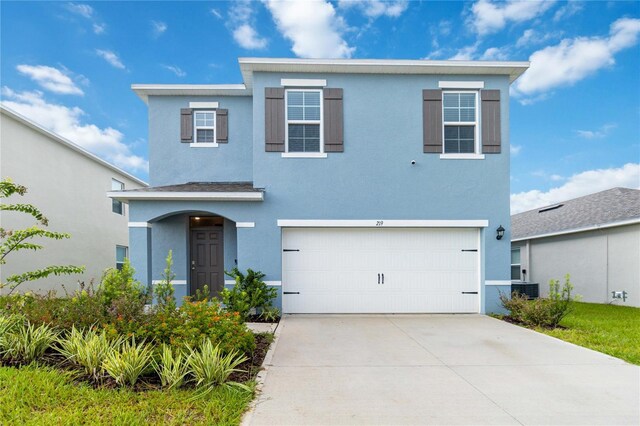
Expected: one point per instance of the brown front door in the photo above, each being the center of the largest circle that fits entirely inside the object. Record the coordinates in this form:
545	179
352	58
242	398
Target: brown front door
207	260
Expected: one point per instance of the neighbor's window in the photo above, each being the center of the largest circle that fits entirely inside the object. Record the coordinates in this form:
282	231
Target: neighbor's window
121	255
460	122
515	264
303	120
205	126
117	206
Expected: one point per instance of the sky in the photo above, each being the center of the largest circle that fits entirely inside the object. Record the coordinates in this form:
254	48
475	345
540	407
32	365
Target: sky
574	115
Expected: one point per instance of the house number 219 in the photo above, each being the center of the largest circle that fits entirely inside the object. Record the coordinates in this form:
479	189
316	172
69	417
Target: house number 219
379	222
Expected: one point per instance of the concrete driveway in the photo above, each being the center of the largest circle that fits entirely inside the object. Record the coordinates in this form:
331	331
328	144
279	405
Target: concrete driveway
438	369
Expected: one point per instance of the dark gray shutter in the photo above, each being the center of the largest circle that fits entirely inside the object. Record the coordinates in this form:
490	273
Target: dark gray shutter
333	121
222	126
432	120
274	119
491	139
186	125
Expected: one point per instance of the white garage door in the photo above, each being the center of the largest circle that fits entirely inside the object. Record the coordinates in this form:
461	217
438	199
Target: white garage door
380	270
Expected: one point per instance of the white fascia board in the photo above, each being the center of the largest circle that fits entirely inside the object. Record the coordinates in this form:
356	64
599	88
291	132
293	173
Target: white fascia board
145	90
511	69
187	196
287	223
66	142
302	82
461	84
577	230
202	105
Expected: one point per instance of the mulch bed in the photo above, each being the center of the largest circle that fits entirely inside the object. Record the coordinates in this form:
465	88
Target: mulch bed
512	320
250	368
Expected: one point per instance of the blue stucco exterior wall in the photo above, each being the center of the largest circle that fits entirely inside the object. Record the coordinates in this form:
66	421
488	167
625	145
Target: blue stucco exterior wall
372	179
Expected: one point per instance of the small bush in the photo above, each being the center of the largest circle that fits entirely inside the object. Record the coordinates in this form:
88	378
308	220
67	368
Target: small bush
171	367
9	323
127	363
164	291
210	367
118	284
26	342
541	312
88	349
270	314
250	295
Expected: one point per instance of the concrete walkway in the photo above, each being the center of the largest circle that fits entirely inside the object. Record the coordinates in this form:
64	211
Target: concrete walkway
438	369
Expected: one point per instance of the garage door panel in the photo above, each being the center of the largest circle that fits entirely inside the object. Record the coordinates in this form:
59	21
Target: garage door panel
336	270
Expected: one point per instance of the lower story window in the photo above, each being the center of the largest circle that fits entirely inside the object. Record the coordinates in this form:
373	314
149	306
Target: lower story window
122	252
459	139
304	138
515	264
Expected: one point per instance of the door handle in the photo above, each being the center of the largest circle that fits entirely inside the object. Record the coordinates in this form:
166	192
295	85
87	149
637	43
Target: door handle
193	265
382	278
378	278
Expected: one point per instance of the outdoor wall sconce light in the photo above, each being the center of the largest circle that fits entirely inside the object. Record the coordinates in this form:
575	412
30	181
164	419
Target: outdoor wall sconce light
499	232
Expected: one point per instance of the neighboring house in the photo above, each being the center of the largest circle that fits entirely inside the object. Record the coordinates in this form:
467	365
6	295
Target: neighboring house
595	239
69	185
354	185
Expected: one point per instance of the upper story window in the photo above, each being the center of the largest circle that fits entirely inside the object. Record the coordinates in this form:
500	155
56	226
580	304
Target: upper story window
460	116
304	120
117	206
204	126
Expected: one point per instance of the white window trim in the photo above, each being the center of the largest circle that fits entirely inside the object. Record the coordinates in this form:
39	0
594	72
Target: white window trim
318	122
203	105
122	187
478	144
126	254
302	82
304	155
195	143
461	84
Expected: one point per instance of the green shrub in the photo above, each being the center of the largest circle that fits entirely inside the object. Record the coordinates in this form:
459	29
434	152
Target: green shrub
541	312
88	349
128	362
117	284
250	295
210	367
270	314
9	323
26	342
171	367
194	321
164	291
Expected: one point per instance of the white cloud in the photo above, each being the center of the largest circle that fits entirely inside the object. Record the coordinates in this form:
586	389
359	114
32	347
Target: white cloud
570	9
176	70
603	131
111	57
248	38
241	23
495	54
574	59
83	10
107	143
466	53
87	12
488	17
216	13
377	8
515	149
313	27
158	28
532	37
578	185
51	79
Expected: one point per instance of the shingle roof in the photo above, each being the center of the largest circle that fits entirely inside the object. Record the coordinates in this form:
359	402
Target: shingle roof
613	205
202	187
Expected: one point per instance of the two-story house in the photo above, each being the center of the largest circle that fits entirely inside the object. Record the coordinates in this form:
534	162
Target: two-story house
357	186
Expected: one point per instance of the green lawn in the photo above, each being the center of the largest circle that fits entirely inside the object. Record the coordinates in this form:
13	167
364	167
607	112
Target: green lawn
614	330
43	396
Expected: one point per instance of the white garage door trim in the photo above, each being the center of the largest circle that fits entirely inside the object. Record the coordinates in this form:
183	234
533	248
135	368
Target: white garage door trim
331	224
305	223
